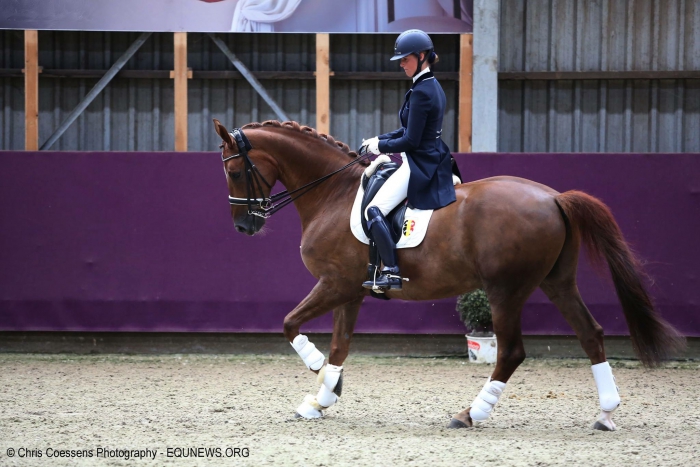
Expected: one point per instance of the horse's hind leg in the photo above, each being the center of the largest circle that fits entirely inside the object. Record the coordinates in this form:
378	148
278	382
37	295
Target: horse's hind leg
330	377
511	353
562	291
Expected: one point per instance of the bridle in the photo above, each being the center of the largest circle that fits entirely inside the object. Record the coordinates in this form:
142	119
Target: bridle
261	206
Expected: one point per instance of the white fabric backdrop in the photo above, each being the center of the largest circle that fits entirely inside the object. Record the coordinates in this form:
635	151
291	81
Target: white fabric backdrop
258	15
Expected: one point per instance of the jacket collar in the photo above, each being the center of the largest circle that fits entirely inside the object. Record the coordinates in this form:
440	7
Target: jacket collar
423	71
423	77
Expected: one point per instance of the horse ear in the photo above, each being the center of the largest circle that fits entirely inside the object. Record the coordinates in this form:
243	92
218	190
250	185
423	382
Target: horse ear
223	132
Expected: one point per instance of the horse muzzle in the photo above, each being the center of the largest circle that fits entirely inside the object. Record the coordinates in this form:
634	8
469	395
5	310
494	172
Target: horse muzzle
249	224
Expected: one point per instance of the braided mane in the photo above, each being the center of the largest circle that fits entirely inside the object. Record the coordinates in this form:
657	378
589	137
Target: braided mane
307	130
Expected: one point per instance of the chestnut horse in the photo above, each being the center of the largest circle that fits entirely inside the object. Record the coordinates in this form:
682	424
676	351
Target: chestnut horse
505	235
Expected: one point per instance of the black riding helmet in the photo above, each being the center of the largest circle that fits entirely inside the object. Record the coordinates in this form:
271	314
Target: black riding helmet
413	41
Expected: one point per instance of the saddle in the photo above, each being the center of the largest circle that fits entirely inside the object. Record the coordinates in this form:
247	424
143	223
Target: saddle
371	185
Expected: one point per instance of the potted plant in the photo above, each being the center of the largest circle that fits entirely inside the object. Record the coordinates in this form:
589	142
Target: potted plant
475	312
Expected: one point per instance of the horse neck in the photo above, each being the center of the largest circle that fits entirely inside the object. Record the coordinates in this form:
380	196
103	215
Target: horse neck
302	159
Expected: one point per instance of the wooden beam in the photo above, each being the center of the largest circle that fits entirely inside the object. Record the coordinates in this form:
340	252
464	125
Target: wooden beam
31	90
356	75
180	74
60	73
387	76
252	80
596	75
323	88
96	90
466	69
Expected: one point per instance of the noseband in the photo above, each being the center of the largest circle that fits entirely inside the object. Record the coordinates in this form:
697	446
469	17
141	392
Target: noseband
261	206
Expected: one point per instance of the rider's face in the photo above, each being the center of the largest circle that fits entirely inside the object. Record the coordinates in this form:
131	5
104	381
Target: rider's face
409	64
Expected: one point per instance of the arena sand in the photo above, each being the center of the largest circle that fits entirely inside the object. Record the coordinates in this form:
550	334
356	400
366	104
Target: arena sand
393	412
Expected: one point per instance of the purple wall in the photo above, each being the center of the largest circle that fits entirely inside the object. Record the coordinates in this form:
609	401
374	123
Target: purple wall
144	242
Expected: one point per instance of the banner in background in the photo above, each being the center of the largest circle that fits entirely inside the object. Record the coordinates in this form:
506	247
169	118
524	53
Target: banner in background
298	16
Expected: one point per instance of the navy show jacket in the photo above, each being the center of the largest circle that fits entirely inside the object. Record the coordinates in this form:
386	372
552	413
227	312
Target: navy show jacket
430	185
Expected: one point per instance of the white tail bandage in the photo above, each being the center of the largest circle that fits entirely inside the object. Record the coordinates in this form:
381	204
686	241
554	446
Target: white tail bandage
607	389
312	357
488	397
328	377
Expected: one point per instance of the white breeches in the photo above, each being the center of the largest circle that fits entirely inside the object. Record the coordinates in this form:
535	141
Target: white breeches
394	189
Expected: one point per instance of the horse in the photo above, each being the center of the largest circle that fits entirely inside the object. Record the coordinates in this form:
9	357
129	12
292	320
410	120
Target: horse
505	235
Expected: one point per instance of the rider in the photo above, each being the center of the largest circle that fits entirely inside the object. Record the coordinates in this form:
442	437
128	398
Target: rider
425	176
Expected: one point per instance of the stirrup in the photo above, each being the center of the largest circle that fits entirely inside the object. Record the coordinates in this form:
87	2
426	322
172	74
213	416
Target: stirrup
387	280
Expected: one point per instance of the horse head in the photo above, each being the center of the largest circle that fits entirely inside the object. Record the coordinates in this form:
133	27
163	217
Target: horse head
244	183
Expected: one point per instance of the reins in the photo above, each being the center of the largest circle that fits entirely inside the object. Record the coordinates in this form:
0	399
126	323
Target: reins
262	206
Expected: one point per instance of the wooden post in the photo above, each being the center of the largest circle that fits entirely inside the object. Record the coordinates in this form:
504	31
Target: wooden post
323	82
466	68
180	74
31	90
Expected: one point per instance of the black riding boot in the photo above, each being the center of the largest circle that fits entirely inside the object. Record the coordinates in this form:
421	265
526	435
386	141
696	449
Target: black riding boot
390	277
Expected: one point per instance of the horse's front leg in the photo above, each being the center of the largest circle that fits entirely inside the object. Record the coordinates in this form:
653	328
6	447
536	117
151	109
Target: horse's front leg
330	377
322	299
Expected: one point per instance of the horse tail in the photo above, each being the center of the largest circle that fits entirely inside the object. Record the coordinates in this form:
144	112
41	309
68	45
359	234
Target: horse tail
653	338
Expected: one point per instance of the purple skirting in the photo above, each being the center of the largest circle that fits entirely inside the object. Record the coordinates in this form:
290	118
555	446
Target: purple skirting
144	242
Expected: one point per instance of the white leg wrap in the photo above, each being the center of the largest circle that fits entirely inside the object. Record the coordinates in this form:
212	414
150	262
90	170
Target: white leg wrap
312	357
607	390
328	377
313	407
488	397
325	397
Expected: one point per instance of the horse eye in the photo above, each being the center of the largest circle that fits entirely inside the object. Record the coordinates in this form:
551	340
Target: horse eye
234	175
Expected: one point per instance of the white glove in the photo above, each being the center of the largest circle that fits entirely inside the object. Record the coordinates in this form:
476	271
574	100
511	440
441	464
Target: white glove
370	145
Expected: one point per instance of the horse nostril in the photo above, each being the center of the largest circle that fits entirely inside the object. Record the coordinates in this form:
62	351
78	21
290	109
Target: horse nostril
240	228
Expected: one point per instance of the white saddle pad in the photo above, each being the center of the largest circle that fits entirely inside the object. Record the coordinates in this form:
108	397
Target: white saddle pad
415	224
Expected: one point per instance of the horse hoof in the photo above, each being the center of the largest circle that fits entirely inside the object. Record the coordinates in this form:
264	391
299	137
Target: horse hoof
454	423
309	415
297	416
602	427
308	411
